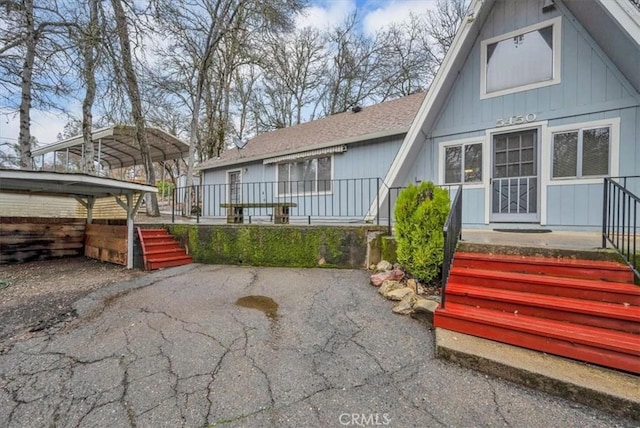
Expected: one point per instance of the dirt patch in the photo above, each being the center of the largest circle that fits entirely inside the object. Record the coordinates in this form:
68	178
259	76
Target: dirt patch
36	295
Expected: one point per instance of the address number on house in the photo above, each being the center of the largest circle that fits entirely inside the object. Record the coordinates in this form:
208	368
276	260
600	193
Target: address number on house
516	120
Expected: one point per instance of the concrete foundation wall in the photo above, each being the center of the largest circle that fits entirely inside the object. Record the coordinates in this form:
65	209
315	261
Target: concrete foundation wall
278	245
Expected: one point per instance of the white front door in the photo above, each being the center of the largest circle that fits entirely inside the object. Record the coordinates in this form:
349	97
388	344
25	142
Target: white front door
235	186
514	179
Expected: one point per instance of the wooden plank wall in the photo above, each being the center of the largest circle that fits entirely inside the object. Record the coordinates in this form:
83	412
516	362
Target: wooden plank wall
25	239
107	243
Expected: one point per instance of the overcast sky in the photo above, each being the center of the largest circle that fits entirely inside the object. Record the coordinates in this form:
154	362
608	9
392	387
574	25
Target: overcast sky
375	14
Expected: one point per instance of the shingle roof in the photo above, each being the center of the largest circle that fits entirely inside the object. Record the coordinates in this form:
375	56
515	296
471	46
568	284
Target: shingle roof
388	118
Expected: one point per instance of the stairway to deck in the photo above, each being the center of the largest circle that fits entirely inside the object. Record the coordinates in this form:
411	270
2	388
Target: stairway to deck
587	310
161	250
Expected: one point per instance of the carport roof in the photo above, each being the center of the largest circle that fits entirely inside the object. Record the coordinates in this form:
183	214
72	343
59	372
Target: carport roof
58	183
117	148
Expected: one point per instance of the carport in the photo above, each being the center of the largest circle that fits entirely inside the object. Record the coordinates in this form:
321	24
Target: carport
17	185
116	147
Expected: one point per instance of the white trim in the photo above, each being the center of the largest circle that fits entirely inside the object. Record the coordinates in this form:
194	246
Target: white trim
442	146
614	151
626	14
556	23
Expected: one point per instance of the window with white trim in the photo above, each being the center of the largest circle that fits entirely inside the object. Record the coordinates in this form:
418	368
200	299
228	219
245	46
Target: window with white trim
520	60
581	153
304	176
463	163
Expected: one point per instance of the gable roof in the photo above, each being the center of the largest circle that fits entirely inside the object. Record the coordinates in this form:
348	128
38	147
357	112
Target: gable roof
379	120
624	23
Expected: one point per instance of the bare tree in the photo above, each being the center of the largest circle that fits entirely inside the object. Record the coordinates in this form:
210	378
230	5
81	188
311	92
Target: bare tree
30	46
133	91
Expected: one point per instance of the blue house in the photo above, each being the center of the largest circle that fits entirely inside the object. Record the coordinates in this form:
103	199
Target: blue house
536	102
330	167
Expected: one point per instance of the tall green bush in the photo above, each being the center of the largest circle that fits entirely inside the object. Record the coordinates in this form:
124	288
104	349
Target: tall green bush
421	212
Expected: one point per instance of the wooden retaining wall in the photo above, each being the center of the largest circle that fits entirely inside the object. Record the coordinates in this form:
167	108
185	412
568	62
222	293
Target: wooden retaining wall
25	239
107	243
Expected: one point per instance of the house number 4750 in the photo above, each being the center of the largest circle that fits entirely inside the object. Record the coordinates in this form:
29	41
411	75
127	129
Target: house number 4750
516	120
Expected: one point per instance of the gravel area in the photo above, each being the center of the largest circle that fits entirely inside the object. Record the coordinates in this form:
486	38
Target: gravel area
35	295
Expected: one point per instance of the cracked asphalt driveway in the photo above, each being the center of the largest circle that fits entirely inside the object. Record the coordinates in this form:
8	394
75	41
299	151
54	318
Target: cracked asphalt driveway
173	349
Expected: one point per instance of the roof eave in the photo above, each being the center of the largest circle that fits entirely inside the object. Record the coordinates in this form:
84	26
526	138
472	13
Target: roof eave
343	141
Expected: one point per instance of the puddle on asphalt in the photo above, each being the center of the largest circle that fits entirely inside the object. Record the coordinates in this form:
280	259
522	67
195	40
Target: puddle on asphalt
261	303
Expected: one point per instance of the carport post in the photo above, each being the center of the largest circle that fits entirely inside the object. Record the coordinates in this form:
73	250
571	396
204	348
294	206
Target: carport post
131	210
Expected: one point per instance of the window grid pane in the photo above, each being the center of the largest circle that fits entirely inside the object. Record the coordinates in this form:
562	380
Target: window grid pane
595	151
453	165
473	163
565	154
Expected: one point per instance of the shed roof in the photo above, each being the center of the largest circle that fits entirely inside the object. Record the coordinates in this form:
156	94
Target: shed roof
379	120
118	148
58	183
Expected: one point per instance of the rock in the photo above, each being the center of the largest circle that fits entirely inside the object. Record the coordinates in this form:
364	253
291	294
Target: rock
378	278
404	307
389	285
322	261
384	266
413	285
423	310
399	294
372	266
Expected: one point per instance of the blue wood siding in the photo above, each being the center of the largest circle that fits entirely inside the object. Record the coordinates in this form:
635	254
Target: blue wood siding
575	205
591	88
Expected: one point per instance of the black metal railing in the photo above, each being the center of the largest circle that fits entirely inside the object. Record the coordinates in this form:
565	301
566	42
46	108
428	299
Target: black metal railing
341	199
620	218
452	233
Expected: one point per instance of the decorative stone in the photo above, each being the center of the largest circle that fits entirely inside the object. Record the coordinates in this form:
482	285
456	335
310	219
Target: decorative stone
399	294
384	266
378	278
322	261
404	307
413	285
423	310
372	266
390	285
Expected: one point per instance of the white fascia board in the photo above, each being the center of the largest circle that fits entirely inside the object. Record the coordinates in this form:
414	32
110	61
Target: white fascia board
73	141
437	93
71	179
343	141
627	15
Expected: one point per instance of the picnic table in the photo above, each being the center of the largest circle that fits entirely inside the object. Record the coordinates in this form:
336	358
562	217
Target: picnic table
235	210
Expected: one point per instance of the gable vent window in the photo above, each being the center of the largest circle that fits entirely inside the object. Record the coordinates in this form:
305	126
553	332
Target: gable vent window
521	60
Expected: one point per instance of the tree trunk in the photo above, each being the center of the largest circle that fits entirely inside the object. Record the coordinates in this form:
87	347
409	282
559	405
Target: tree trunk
31	39
136	103
90	56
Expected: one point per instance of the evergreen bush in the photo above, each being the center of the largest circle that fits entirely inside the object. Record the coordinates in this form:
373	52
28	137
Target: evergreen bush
420	214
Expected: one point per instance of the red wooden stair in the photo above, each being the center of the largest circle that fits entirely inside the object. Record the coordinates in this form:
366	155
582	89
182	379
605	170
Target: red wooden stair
587	310
161	250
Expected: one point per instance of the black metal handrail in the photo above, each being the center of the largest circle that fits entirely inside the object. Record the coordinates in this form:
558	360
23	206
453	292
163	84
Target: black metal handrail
345	199
452	233
620	217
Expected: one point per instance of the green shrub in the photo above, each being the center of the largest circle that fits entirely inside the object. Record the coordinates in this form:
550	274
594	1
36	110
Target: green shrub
421	212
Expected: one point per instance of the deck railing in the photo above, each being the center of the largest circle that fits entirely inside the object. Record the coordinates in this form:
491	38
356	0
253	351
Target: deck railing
620	218
452	232
341	200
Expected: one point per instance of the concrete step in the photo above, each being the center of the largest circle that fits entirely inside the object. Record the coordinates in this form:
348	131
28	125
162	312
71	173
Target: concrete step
559	266
604	291
614	349
609	390
612	316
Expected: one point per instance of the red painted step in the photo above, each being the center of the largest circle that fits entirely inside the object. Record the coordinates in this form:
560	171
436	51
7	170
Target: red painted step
161	250
543	284
574	268
595	345
598	314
